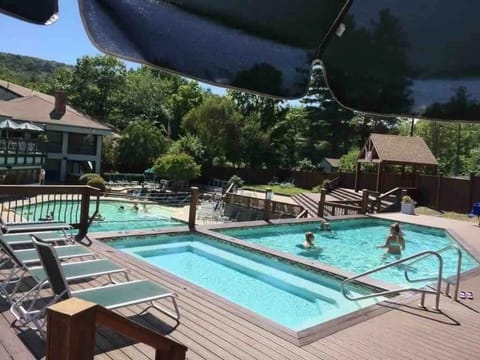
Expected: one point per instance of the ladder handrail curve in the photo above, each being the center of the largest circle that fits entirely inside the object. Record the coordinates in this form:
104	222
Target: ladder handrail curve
459	267
388	292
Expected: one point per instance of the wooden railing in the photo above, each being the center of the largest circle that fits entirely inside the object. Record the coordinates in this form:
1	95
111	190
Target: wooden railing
71	327
399	192
333	183
32	203
276	208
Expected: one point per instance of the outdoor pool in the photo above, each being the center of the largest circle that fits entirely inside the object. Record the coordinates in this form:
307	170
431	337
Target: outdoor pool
351	245
282	292
151	216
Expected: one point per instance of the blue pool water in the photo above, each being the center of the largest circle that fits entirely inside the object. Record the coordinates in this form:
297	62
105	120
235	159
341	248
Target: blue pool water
351	246
282	292
151	216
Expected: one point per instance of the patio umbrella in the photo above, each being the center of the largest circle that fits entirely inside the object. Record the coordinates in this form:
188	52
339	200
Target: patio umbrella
8	125
30	127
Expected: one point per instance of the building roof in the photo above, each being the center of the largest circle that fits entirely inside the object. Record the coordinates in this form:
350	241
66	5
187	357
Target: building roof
333	162
37	107
395	149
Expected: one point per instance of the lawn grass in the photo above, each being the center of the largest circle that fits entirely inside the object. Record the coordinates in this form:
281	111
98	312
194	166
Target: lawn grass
277	189
445	214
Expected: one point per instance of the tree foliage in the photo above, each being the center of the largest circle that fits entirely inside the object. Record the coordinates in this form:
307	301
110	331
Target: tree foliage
177	167
140	144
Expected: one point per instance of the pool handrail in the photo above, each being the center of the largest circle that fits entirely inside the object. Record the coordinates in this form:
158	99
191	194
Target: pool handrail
457	276
396	291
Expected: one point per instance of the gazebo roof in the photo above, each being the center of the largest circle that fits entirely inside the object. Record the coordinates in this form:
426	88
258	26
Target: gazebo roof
395	149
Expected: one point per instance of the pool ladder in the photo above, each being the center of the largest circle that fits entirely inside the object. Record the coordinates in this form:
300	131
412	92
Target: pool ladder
416	258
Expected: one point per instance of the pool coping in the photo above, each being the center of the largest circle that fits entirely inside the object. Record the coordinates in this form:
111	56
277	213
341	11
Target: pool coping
299	338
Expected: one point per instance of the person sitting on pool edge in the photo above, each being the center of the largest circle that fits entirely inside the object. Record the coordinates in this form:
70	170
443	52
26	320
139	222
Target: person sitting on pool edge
309	238
394	242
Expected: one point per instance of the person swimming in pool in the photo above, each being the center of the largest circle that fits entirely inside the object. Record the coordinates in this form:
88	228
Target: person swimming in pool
394	243
121	208
309	239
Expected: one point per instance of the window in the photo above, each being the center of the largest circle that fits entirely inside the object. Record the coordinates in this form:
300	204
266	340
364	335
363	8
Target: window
54	142
82	144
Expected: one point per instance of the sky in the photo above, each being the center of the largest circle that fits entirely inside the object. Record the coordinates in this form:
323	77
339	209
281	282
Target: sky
64	41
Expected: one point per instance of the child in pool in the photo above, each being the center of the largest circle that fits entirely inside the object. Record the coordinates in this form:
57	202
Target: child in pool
309	239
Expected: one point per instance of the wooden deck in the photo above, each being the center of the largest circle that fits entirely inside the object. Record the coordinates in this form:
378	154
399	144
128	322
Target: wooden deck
214	329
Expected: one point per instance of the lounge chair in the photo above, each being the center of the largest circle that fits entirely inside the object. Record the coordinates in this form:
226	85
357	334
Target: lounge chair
73	271
111	297
26	238
34	226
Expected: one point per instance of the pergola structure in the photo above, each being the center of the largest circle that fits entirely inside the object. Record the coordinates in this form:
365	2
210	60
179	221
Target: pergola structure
404	151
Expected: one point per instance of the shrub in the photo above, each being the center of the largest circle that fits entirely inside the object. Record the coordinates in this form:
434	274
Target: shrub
85	178
177	167
236	180
97	182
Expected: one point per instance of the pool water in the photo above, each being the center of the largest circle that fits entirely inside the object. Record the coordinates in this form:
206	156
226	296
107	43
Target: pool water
351	246
151	216
282	292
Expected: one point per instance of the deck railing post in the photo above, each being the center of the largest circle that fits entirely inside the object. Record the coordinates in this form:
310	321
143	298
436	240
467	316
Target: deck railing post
364	201
84	209
71	330
192	216
321	203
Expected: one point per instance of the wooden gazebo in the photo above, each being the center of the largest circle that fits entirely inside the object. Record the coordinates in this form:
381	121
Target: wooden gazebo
404	151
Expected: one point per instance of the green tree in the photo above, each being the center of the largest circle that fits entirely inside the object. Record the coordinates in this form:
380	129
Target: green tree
348	162
110	152
177	167
218	126
140	143
92	85
191	145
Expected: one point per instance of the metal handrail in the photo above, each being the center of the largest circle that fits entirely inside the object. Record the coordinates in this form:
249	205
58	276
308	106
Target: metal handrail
459	269
388	292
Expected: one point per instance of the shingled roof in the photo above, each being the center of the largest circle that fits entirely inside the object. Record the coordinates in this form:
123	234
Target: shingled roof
37	107
395	149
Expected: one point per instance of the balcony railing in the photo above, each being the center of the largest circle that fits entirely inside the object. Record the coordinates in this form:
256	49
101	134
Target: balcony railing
21	152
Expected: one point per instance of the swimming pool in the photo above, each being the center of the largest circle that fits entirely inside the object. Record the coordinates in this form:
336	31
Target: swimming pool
282	292
351	245
148	217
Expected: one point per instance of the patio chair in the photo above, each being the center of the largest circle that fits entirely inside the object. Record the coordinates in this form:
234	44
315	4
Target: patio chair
111	297
73	271
34	226
26	238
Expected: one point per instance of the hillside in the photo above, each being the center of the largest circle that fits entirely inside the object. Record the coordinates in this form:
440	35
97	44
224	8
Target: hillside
26	70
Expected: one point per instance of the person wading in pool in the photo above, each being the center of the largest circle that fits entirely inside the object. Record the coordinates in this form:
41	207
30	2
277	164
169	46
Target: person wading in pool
395	242
309	238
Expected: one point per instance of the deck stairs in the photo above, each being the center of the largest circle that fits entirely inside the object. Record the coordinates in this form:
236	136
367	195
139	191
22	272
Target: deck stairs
310	201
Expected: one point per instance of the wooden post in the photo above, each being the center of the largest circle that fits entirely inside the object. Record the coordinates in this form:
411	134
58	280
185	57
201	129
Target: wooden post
192	216
364	201
439	185
379	175
84	209
321	203
357	175
471	183
71	330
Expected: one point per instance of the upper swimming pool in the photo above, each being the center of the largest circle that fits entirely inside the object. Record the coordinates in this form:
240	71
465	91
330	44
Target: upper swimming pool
282	292
351	246
150	216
